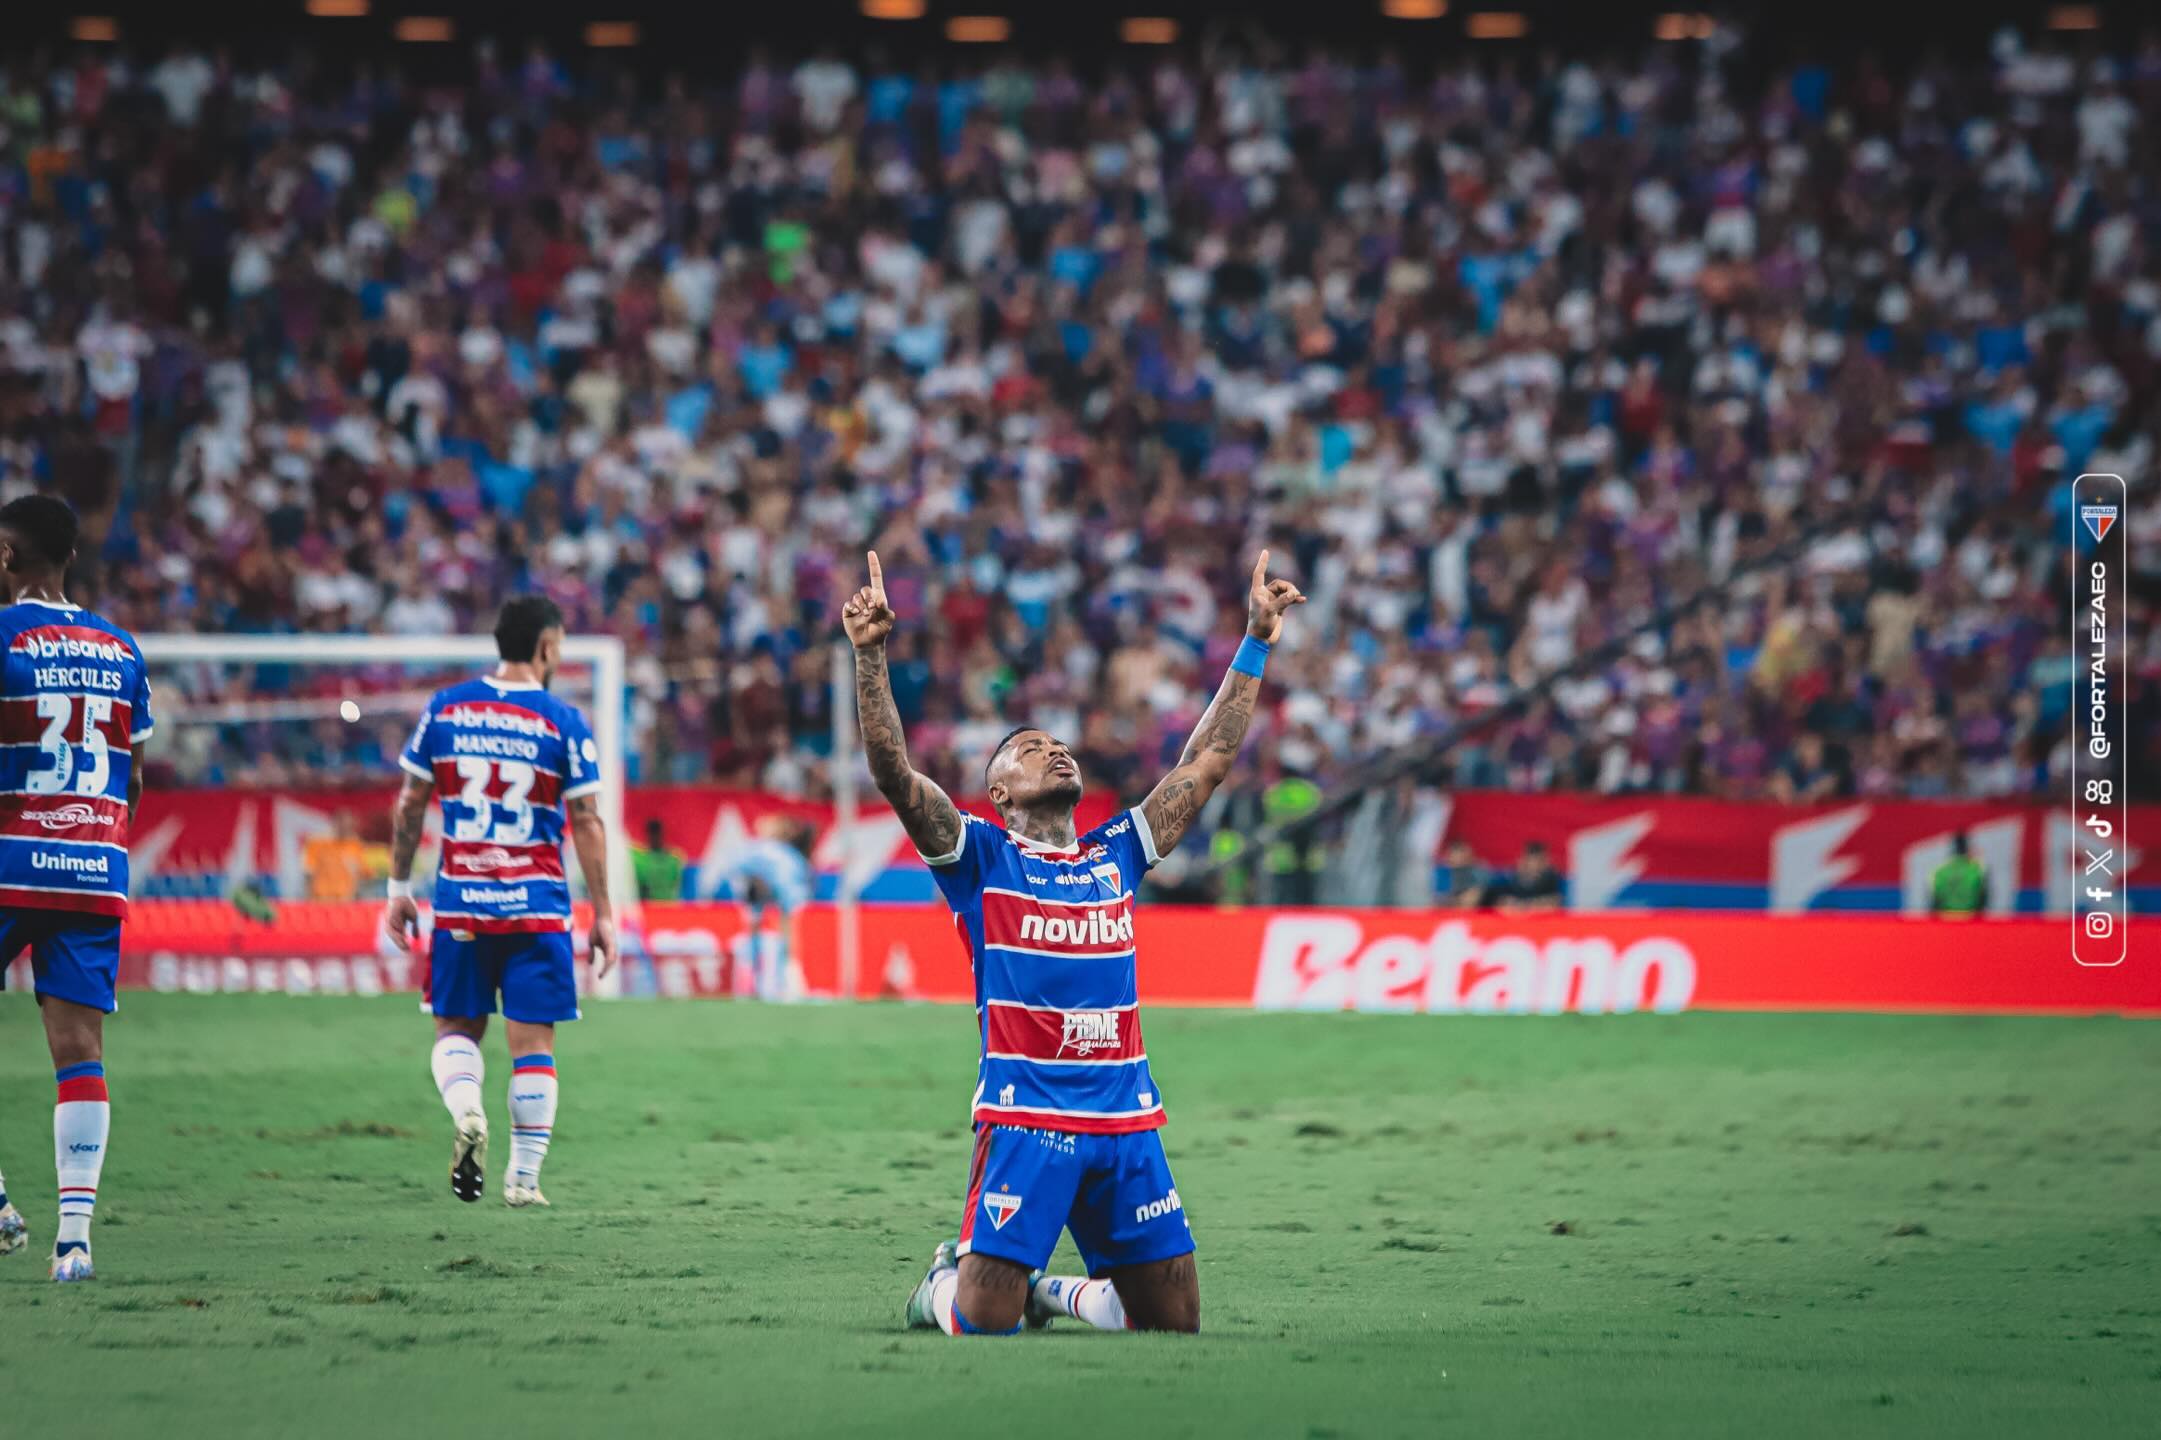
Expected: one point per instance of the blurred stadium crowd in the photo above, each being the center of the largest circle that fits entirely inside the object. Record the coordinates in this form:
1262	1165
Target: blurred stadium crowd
1505	360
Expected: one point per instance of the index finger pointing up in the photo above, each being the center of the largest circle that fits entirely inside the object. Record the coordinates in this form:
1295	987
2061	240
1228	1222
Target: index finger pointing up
1260	571
877	579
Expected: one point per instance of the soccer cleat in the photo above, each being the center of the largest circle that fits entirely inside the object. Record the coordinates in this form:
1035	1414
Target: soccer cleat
517	1197
72	1266
14	1234
1040	1311
945	1257
469	1157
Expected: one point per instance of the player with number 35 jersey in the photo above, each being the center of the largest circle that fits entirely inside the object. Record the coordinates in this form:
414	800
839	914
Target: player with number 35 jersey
508	761
74	713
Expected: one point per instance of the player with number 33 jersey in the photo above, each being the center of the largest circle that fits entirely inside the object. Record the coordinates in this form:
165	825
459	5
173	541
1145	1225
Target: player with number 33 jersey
509	762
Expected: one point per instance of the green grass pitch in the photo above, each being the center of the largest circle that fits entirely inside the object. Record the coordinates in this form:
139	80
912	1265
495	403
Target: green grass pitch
1655	1226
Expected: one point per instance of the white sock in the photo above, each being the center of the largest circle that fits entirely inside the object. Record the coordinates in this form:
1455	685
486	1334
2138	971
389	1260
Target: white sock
1093	1302
942	1291
458	1072
82	1120
532	1116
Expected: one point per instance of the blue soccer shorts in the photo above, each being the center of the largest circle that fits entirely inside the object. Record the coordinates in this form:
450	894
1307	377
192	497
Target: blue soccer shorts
532	969
73	955
1114	1192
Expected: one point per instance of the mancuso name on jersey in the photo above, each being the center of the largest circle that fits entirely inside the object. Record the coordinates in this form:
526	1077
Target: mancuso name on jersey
1050	933
74	705
504	758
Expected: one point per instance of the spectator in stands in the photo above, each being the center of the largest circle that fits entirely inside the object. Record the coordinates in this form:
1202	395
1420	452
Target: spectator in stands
656	865
1959	888
1512	360
336	864
1535	883
1807	774
1468	884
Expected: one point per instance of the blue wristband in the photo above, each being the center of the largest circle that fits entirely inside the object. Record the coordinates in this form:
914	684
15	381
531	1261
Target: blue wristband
1252	657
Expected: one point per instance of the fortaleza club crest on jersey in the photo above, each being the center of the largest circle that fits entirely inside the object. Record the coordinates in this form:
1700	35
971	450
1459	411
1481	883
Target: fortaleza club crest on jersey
1001	1204
2098	518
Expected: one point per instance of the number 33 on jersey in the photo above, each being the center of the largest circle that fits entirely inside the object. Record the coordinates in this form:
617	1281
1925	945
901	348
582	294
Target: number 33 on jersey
504	758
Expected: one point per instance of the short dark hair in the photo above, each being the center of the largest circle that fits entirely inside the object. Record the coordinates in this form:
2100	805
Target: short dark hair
518	627
46	524
999	748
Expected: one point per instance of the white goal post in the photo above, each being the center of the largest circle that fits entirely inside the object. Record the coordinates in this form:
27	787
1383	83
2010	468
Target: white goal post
603	653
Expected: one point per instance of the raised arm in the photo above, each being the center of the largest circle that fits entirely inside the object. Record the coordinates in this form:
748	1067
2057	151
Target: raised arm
931	819
1179	796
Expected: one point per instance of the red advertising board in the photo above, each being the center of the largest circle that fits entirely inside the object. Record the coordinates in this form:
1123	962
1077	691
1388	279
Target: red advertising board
1434	961
1637	853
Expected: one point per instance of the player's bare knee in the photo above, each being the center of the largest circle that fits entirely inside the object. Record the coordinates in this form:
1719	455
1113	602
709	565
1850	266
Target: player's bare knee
74	1033
472	1027
525	1038
993	1293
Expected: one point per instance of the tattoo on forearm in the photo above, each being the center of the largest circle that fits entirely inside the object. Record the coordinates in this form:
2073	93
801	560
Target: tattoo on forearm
408	817
883	744
1176	802
1223	729
589	836
925	812
1172	807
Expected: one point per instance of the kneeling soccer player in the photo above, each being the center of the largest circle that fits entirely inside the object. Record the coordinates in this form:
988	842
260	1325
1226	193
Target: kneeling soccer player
1066	1113
509	758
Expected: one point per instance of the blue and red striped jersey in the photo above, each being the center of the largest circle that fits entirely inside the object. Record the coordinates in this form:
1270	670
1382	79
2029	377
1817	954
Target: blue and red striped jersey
504	758
74	704
1050	933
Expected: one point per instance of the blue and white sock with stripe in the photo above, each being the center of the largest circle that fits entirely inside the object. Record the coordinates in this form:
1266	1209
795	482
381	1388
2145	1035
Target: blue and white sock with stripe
532	1117
458	1073
1094	1302
82	1121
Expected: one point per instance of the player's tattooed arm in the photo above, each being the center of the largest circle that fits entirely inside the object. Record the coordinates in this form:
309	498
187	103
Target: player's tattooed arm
408	817
1178	798
931	819
589	837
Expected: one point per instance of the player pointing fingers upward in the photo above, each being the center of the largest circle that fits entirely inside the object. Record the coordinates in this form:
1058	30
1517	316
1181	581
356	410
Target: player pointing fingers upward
1066	1110
866	617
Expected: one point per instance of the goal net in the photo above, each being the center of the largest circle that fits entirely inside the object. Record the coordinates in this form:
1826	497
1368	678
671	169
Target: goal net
279	743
